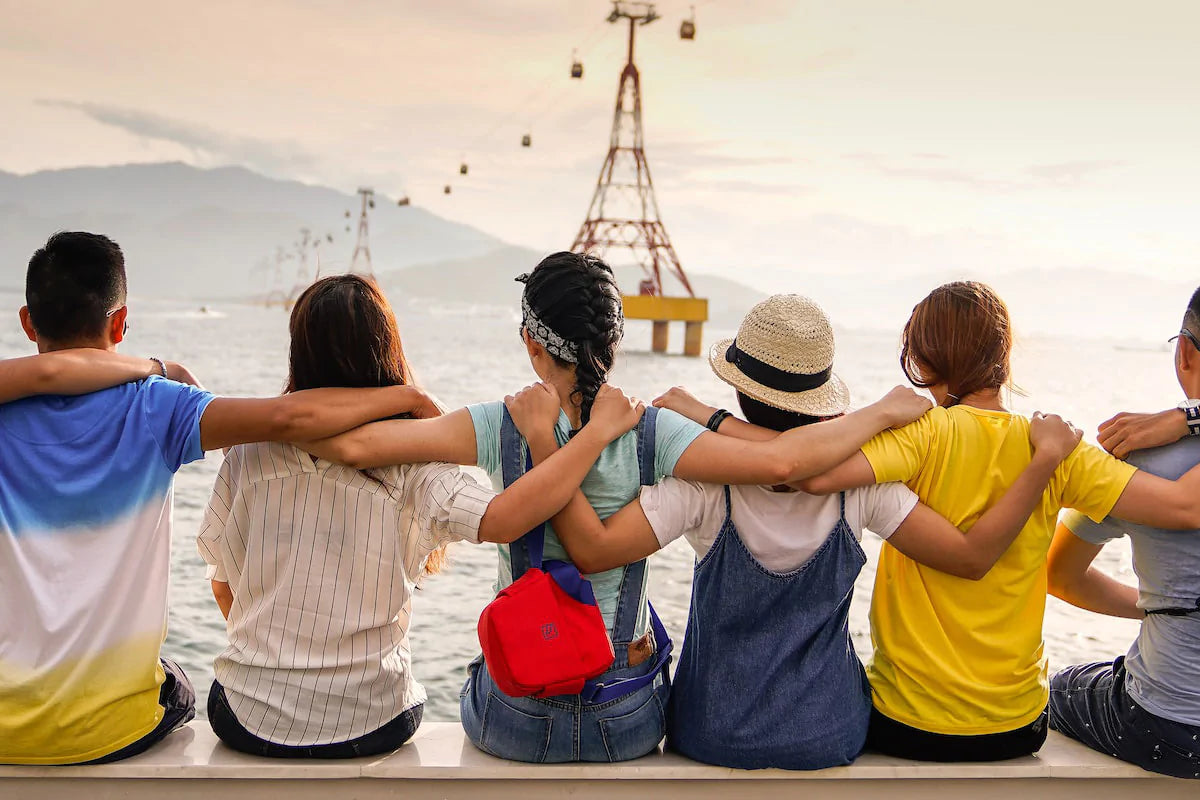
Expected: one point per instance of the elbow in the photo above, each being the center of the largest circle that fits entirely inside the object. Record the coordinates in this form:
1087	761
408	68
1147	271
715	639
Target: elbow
974	571
589	564
816	484
1057	582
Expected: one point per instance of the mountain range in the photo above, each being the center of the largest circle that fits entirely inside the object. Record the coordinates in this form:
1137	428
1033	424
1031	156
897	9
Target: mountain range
212	234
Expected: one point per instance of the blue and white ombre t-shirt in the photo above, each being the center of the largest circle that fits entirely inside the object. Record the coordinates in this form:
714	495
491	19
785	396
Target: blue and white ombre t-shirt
85	544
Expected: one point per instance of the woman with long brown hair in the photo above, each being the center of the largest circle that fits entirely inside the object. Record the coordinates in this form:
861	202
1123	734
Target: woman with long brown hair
313	564
959	671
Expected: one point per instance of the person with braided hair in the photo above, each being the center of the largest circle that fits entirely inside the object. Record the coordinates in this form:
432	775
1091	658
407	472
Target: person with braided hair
571	326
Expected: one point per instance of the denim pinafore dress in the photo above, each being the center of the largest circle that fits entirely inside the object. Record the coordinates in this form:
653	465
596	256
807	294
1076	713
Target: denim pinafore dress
768	676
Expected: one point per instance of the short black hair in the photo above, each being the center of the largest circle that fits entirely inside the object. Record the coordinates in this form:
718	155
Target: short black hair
776	419
1191	317
73	282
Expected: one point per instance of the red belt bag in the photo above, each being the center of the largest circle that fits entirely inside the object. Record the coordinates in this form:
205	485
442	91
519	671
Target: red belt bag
543	635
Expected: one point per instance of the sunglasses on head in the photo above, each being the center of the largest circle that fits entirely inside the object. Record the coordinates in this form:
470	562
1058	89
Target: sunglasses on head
1191	337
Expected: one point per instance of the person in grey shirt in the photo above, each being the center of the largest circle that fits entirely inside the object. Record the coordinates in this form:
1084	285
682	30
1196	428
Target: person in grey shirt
1143	707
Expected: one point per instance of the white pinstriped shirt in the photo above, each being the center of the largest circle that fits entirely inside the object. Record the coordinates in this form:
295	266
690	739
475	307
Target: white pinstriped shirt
322	561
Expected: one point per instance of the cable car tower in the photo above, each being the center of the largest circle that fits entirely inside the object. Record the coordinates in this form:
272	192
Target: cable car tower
362	244
624	211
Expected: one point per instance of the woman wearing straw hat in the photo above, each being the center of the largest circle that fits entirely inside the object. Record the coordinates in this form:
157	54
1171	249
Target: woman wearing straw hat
768	676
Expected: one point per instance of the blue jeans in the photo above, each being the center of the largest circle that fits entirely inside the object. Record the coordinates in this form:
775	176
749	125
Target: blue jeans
1089	702
560	729
382	740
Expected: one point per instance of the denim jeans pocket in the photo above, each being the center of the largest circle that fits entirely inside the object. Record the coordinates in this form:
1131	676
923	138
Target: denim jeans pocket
634	733
510	733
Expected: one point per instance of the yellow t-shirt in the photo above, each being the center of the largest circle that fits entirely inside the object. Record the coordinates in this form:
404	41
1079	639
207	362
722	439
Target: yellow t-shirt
962	657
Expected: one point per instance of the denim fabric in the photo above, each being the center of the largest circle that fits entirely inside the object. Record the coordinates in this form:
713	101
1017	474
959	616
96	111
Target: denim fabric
552	730
234	734
177	696
893	738
568	728
768	676
1091	703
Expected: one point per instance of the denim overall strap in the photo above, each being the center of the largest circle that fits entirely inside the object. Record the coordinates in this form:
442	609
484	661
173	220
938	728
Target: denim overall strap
629	600
525	552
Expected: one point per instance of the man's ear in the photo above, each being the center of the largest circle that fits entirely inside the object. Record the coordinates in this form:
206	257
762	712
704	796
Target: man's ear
116	325
27	324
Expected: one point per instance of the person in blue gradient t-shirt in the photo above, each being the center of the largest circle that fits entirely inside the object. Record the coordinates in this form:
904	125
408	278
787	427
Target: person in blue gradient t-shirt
1143	707
85	510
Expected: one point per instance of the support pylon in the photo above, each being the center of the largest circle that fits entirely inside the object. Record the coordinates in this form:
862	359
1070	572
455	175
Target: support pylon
362	243
624	211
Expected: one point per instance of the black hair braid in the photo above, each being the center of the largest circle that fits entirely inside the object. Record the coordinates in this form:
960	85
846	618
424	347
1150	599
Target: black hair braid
577	296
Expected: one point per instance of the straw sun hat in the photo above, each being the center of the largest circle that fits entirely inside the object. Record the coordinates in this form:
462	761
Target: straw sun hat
783	356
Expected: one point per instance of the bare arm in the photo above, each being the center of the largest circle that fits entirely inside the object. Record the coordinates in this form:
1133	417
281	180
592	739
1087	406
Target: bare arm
556	476
70	372
300	416
1073	578
799	453
684	403
1151	500
404	441
224	597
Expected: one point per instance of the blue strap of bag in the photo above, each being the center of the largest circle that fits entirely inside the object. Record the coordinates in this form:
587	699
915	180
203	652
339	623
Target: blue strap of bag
567	575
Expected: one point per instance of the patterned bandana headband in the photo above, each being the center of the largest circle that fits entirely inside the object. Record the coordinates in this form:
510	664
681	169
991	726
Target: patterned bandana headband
556	345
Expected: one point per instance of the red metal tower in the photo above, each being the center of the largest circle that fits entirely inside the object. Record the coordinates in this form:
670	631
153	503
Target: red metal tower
624	211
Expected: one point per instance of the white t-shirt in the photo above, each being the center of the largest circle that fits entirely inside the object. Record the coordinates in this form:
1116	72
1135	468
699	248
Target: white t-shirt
782	530
322	561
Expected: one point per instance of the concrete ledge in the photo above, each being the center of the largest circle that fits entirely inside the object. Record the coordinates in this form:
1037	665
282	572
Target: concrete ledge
440	762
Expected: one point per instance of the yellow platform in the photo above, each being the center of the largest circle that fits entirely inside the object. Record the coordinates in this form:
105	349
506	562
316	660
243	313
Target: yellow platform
661	311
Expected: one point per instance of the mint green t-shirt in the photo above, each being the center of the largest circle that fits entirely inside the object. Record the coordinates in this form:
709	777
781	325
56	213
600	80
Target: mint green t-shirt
612	483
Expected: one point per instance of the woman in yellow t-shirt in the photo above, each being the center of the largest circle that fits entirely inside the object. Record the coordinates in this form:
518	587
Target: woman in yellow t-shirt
959	671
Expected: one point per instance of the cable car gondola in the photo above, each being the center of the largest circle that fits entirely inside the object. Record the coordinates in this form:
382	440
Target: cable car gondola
446	189
687	28
526	141
576	65
403	201
462	168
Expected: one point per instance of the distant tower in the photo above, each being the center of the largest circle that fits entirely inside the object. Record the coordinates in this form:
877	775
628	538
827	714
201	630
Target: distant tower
624	211
362	244
302	277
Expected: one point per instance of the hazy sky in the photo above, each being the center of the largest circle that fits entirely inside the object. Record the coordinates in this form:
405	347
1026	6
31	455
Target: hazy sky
788	138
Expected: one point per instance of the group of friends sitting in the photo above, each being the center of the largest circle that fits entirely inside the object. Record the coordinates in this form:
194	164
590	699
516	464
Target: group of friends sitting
338	497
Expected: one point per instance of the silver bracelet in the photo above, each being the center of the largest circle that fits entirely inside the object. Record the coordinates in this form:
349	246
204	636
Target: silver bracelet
161	364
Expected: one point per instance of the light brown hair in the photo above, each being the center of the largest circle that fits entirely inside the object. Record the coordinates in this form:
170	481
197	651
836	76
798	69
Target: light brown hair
960	335
345	334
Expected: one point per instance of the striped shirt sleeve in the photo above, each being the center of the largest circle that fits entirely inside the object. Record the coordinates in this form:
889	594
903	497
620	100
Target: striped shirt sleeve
216	516
451	503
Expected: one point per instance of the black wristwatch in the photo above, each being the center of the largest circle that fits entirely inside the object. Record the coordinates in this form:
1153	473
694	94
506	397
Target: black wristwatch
1191	408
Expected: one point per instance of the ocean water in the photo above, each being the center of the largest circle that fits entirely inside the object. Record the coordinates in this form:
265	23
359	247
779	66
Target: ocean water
468	354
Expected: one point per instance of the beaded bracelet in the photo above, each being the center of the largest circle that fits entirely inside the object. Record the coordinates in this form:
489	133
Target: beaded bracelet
161	365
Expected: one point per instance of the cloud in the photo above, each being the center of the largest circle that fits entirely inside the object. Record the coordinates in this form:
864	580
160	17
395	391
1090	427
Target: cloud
1071	173
926	166
209	146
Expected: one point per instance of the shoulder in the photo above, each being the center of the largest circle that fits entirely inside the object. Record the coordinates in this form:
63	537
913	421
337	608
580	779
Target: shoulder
1171	461
669	422
487	414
